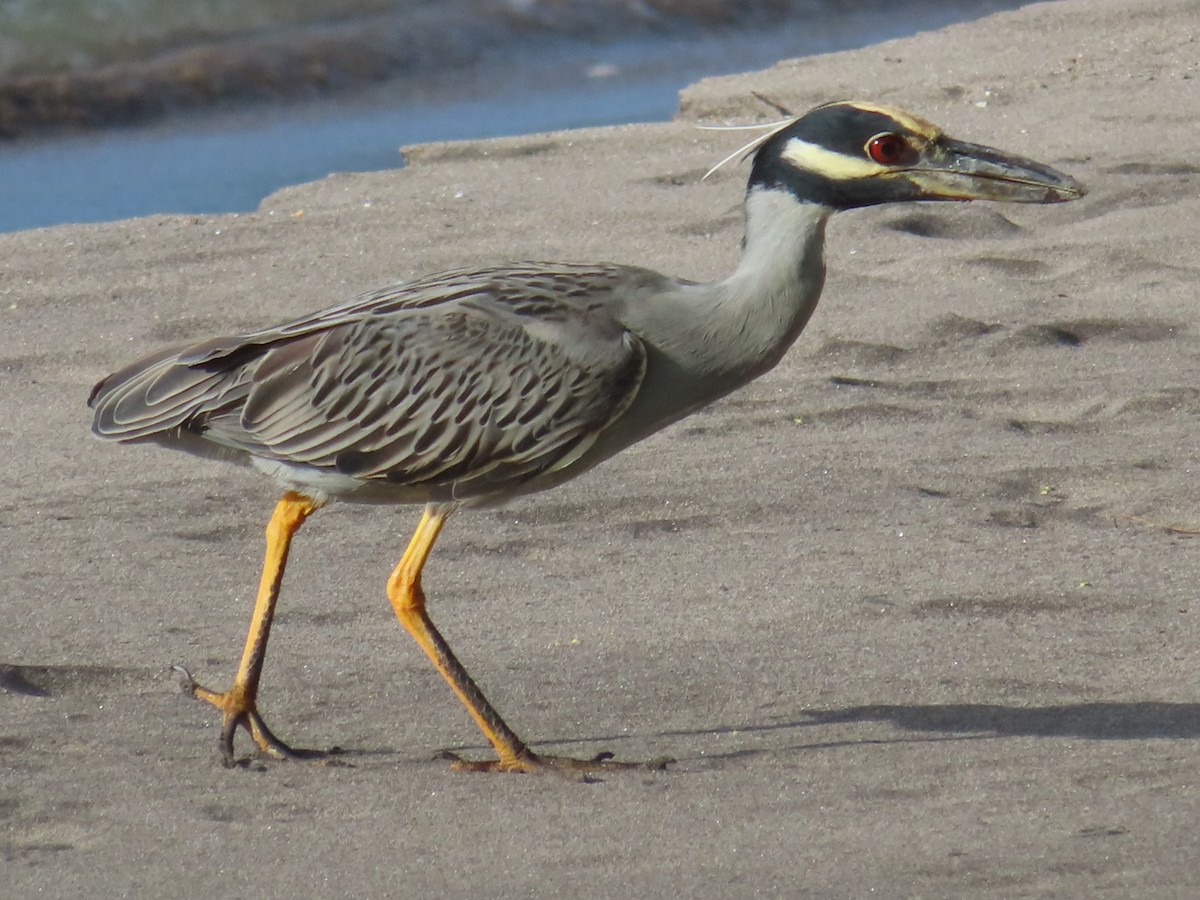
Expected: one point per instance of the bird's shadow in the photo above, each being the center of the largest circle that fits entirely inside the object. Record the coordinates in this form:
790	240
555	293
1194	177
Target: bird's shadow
1100	721
1128	721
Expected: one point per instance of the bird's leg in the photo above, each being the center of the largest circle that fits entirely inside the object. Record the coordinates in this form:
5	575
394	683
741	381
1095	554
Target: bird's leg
408	600
238	703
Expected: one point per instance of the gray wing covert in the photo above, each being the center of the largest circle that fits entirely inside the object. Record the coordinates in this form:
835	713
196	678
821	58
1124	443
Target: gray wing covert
479	390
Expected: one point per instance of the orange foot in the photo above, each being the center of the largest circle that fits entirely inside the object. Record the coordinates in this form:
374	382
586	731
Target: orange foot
562	766
238	709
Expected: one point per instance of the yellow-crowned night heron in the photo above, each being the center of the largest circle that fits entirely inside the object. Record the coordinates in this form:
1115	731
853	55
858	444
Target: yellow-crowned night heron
477	385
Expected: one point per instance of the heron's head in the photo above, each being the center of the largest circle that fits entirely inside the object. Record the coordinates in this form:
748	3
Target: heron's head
845	155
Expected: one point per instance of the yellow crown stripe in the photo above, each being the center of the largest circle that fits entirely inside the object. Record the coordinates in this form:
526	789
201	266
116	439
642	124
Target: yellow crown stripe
906	120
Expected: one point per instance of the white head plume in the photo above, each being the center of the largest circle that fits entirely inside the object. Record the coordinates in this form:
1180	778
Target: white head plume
769	129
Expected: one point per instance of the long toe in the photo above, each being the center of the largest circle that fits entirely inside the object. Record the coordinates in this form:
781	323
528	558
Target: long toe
561	766
239	710
269	745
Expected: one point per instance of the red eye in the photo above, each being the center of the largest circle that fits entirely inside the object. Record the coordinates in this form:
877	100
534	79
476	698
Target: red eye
887	149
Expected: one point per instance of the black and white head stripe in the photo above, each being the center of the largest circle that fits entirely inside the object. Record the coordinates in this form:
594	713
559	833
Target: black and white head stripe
845	155
824	156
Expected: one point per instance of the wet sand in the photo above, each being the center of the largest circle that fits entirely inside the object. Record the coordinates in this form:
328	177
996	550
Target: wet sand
915	613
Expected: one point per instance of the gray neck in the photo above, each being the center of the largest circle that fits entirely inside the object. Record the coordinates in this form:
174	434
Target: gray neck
705	340
721	335
726	333
764	305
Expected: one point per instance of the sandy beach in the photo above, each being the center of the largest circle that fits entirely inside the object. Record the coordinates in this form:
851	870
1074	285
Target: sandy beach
915	613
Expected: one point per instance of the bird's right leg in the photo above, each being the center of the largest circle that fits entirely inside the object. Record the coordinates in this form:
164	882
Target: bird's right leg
408	601
238	704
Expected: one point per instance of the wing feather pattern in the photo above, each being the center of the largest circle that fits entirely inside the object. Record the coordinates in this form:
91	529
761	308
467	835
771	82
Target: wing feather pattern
472	379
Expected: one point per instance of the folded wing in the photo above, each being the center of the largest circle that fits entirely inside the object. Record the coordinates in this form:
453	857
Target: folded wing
476	378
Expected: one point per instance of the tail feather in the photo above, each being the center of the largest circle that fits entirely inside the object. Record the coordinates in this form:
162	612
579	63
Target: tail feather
156	396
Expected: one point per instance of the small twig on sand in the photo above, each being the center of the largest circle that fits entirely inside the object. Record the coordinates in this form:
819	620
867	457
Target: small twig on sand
1151	523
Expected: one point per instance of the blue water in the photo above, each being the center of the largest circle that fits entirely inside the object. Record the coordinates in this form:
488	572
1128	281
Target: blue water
211	165
229	162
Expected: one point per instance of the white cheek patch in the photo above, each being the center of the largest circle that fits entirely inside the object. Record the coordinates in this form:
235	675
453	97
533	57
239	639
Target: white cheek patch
832	165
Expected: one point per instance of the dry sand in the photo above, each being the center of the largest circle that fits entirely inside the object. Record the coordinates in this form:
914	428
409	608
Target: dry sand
915	613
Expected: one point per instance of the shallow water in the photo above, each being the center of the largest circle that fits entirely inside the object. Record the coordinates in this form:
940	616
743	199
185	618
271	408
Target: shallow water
228	164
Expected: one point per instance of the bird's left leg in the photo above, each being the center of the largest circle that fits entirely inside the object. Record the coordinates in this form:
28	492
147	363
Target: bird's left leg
238	704
408	601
